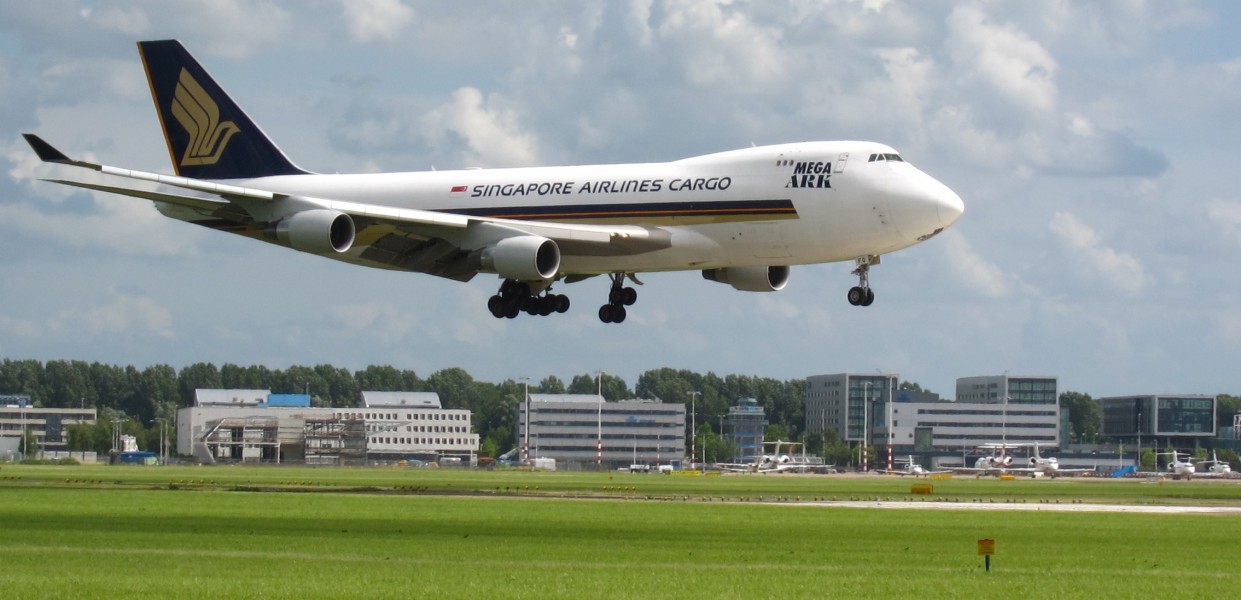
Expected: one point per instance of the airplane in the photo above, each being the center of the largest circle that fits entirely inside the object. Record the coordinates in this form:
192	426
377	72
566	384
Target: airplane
1177	468
1218	467
913	468
994	463
778	462
741	217
1002	463
1047	466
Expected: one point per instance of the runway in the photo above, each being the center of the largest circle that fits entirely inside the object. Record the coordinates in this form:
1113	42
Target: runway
1033	506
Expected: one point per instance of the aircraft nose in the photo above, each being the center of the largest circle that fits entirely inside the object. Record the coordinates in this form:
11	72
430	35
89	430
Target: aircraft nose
923	206
948	204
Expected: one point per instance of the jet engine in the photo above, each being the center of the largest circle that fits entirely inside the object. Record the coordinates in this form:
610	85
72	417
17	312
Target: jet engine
1006	461
522	258
318	231
750	279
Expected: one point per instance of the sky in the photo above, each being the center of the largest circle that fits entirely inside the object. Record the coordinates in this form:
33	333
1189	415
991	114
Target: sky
1089	141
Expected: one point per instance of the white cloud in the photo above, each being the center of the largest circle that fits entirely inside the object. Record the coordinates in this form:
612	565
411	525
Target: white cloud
490	129
1226	215
1122	270
125	225
115	313
982	276
376	20
129	20
1005	57
717	45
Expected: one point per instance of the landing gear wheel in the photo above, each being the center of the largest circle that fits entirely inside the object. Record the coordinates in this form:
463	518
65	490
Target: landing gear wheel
516	297
629	296
861	294
612	313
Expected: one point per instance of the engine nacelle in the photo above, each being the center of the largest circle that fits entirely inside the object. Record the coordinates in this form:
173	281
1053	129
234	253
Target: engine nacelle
1006	461
319	231
523	258
750	279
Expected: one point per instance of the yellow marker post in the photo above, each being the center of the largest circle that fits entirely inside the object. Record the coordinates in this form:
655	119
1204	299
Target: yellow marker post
985	549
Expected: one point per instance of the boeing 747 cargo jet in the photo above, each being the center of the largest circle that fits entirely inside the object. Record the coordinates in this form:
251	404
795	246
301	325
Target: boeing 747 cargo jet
741	217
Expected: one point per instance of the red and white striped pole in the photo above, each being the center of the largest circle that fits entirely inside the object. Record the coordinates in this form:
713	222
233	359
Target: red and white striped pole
865	458
889	456
599	453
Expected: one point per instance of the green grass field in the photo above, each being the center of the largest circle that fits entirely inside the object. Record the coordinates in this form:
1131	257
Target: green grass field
197	532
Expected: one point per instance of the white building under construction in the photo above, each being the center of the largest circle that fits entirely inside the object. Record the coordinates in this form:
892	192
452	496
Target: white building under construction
258	426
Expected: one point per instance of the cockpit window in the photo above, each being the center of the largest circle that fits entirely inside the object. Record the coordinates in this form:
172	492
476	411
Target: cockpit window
880	157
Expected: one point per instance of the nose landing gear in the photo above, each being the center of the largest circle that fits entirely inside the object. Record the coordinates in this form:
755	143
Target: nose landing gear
861	294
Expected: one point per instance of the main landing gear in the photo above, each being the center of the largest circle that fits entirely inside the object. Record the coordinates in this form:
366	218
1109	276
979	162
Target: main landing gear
861	294
516	296
618	298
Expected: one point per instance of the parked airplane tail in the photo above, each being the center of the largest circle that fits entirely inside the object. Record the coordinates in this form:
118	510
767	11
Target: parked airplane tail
208	135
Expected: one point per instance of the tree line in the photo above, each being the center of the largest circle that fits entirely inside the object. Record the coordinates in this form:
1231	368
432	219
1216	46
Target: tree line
134	398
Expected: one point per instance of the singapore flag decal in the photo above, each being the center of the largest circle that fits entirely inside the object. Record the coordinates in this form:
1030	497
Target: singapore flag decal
458	190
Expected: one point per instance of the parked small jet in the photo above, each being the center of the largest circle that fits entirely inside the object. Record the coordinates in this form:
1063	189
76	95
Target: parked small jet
741	217
778	462
1176	467
911	467
995	463
1218	467
1000	463
1048	466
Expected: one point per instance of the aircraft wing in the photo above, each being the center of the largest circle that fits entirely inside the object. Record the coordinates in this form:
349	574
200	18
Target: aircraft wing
433	242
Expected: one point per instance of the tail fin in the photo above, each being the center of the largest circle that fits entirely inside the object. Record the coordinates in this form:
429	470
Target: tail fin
209	136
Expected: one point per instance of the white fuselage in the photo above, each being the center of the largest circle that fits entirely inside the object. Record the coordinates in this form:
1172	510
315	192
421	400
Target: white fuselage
788	204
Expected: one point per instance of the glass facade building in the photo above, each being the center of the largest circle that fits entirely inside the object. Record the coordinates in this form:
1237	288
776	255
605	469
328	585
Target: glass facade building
1183	417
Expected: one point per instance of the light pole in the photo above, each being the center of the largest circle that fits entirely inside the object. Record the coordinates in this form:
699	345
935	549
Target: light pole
525	445
599	427
1139	461
889	428
160	421
693	427
865	426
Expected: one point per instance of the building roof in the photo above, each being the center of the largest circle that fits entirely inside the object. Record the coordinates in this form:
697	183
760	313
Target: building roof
583	398
213	397
401	399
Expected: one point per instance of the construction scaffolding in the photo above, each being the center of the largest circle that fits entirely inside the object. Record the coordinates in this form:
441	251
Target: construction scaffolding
241	439
334	441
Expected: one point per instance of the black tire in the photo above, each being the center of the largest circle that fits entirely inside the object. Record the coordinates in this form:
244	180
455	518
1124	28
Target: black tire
856	295
495	304
562	304
618	314
870	297
605	313
629	296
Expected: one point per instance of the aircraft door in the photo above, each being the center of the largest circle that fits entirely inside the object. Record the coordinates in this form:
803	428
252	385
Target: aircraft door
840	162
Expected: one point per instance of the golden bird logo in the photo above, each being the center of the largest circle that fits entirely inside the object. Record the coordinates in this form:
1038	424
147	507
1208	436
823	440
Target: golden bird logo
194	109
